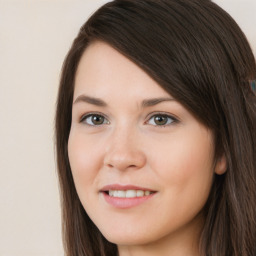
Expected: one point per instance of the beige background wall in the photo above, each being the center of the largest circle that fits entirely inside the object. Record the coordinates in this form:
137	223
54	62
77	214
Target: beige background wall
34	38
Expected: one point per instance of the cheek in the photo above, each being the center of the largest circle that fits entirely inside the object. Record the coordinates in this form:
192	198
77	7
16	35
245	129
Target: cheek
183	158
84	160
184	164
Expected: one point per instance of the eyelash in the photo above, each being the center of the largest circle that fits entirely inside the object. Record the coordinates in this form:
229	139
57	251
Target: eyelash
171	119
86	116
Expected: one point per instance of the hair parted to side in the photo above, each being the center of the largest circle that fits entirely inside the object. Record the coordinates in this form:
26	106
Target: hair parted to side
197	53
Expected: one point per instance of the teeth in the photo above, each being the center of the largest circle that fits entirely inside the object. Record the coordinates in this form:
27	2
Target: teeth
119	193
147	193
128	193
139	193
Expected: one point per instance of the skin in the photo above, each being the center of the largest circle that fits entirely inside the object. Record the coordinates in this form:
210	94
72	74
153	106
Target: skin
175	160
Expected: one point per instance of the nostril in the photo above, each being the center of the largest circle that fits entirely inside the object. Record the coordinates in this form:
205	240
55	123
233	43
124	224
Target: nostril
124	159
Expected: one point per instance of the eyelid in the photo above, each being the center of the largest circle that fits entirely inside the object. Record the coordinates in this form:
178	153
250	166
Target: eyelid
86	115
168	115
151	115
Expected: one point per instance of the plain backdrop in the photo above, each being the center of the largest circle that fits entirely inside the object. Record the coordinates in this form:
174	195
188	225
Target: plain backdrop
35	36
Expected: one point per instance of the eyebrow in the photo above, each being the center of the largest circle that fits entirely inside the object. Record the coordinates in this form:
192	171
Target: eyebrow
90	100
154	101
99	102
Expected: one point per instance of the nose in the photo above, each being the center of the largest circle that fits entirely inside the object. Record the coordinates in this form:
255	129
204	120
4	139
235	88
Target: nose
124	151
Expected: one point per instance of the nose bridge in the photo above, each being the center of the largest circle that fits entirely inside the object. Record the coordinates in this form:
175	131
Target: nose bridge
124	150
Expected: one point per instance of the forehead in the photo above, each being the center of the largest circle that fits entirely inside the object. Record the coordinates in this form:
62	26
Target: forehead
103	70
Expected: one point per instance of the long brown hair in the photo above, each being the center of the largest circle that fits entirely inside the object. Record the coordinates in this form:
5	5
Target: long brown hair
197	53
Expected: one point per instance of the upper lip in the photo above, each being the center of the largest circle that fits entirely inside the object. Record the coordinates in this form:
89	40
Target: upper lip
124	187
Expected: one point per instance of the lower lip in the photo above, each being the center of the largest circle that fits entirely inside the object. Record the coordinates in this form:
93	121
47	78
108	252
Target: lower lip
124	203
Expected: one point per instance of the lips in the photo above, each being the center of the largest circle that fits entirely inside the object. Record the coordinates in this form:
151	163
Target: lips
126	196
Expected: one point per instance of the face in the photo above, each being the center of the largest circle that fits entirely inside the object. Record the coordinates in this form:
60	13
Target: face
141	163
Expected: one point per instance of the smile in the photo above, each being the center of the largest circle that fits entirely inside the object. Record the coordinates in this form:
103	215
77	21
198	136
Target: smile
119	196
128	193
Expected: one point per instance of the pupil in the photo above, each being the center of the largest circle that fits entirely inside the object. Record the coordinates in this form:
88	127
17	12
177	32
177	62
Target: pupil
97	120
160	120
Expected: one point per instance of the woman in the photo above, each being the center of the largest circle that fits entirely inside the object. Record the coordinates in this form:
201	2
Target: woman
155	133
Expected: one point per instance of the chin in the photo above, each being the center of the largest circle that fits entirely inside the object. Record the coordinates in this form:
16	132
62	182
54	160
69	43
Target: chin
132	238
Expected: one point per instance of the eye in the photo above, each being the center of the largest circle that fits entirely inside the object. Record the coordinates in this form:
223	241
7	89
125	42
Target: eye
161	120
94	119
